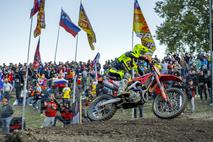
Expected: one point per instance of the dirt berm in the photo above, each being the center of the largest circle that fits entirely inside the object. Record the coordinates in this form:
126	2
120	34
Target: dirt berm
146	130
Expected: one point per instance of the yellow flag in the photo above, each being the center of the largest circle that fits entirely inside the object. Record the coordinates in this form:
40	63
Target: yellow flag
141	29
84	23
37	30
40	19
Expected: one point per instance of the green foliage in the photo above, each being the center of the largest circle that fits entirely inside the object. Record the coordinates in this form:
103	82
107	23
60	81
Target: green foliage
186	24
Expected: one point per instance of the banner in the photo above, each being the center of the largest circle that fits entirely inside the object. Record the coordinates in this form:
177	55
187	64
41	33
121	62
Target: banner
141	29
40	19
35	8
37	57
96	59
84	23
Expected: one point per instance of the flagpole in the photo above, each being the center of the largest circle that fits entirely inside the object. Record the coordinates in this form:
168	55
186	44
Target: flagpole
133	59
80	98
56	48
133	110
76	47
26	77
75	77
210	44
75	80
96	72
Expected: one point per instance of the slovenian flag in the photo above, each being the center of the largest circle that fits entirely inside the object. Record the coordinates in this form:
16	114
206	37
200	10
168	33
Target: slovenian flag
68	25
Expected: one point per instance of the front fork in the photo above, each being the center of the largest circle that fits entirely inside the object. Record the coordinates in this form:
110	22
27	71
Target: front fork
162	90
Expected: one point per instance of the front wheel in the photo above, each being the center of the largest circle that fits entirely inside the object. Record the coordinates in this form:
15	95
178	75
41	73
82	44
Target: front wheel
173	108
101	113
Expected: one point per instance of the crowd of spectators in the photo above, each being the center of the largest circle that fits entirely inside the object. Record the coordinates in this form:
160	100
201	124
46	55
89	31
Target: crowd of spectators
41	85
194	70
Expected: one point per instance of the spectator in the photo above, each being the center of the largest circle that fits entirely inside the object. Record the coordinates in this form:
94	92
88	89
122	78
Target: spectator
66	115
191	91
209	86
18	87
84	79
191	75
66	95
177	67
100	87
7	89
164	67
50	111
170	68
202	86
37	95
6	113
140	109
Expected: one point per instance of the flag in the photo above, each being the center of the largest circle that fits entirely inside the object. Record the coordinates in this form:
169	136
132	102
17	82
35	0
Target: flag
60	82
35	8
41	15
37	57
37	30
141	29
84	23
68	25
40	19
96	59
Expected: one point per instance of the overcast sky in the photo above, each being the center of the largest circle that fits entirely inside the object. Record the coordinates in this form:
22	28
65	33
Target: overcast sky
111	21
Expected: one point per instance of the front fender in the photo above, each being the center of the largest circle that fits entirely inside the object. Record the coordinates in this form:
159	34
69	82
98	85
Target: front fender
169	77
163	78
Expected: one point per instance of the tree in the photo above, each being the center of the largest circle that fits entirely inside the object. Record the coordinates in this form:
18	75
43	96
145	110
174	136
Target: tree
186	24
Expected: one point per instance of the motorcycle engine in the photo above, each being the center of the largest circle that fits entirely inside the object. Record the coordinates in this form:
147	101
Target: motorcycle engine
134	96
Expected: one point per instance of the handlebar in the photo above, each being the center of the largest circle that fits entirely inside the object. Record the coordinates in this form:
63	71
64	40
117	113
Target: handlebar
147	59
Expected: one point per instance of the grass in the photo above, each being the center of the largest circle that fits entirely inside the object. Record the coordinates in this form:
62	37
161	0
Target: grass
202	111
33	117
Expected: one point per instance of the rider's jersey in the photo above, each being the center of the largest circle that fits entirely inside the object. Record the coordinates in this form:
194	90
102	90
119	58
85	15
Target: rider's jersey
127	61
124	63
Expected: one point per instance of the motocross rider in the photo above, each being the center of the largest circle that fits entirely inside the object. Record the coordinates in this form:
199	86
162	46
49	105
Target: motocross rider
126	62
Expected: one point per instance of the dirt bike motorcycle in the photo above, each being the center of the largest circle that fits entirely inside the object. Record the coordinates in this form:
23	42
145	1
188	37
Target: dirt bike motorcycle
168	103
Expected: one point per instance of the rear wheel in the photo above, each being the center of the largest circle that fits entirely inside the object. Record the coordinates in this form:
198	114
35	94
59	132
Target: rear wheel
101	113
173	108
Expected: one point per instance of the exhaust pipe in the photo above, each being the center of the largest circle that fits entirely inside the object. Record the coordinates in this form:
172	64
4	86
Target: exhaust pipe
110	101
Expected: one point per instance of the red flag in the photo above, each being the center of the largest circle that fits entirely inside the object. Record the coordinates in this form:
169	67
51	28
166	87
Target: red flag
37	57
35	8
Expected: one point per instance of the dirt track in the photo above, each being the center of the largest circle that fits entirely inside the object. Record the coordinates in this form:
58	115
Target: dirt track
148	130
